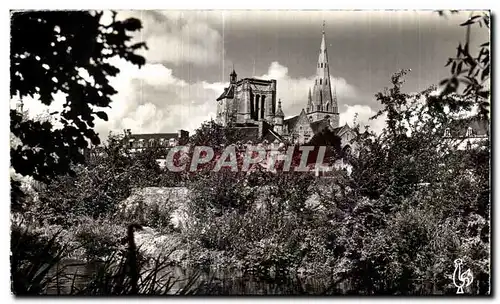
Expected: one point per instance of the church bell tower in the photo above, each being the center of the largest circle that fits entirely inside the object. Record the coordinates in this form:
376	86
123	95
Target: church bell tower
321	103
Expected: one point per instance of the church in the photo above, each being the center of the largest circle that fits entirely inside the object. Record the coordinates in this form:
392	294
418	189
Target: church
251	105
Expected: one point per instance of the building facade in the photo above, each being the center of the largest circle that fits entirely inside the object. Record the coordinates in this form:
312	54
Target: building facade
467	133
247	101
251	104
139	142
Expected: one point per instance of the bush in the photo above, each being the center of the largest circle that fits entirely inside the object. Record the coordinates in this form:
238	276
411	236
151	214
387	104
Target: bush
100	238
155	214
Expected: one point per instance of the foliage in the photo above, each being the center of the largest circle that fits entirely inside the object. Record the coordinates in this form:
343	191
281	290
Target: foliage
155	214
471	71
213	135
99	238
65	53
100	185
32	257
422	193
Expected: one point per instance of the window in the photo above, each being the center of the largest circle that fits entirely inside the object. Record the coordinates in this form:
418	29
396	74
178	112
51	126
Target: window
322	64
320	81
447	132
469	132
326	81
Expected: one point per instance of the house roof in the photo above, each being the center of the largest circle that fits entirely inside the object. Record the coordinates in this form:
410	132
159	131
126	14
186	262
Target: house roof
155	136
458	128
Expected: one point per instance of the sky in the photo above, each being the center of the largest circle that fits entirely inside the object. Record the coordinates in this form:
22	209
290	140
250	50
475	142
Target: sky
191	54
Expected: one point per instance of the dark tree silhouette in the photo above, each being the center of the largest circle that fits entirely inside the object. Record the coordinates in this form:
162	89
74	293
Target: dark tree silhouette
48	53
470	71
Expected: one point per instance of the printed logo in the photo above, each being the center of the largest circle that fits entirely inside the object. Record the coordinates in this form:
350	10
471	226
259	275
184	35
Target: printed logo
464	278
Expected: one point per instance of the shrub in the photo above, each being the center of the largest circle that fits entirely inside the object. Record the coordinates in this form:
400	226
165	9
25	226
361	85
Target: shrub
100	238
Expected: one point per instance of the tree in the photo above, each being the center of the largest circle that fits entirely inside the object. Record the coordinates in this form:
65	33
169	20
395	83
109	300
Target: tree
61	52
470	71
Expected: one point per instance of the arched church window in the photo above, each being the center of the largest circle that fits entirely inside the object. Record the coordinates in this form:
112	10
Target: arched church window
320	81
322	64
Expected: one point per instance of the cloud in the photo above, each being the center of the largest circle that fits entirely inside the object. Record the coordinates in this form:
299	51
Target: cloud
361	114
179	37
152	100
293	91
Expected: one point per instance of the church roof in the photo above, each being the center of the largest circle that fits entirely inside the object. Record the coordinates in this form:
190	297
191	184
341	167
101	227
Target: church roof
271	136
291	122
340	130
228	92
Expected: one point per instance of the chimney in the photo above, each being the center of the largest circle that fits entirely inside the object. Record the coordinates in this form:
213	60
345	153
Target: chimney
182	136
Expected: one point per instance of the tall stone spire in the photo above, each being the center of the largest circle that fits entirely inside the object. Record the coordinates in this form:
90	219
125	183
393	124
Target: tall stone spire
323	103
334	103
309	102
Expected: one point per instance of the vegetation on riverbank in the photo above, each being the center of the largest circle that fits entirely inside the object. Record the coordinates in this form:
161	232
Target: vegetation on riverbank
411	206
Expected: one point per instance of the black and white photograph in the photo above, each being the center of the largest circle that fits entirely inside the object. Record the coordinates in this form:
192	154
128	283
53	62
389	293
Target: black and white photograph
250	152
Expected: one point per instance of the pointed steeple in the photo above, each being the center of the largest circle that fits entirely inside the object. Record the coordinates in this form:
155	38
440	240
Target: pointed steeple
323	43
279	111
309	102
322	102
334	103
233	77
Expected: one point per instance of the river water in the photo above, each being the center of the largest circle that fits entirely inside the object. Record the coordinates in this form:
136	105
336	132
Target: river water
210	281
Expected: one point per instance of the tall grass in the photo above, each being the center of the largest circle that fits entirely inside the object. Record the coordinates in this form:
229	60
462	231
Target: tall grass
32	258
38	268
111	278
